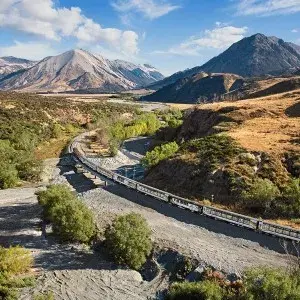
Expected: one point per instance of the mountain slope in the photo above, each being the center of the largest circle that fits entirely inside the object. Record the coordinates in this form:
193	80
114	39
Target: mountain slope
198	88
256	55
81	70
10	64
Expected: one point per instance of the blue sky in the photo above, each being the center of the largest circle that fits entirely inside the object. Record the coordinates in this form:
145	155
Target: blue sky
172	35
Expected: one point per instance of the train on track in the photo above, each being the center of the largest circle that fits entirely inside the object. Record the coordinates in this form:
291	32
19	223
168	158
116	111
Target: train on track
212	212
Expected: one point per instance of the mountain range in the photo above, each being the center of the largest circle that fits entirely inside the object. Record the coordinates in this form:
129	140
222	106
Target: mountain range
257	55
219	79
80	70
10	64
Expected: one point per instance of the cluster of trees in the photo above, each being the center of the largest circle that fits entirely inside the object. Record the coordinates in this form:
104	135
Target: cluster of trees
257	283
159	153
72	221
144	124
15	263
173	117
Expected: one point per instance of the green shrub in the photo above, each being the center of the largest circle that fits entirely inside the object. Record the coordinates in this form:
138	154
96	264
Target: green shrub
15	260
54	197
214	150
159	153
270	284
72	220
8	176
260	195
205	290
128	240
44	296
291	197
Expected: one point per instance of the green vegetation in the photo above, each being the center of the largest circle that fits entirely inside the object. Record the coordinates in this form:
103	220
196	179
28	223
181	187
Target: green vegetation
15	262
271	284
128	240
143	124
257	284
44	296
260	195
213	150
205	290
29	122
159	153
72	220
172	117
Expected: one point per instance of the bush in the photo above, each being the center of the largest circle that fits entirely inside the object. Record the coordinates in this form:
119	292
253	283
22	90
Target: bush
260	195
72	220
159	153
15	260
44	296
54	197
128	239
271	284
205	290
291	197
214	150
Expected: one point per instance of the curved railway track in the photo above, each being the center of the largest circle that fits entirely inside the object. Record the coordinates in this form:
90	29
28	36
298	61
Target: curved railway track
261	226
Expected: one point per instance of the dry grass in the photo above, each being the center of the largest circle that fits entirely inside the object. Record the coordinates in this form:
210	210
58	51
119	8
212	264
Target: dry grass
264	124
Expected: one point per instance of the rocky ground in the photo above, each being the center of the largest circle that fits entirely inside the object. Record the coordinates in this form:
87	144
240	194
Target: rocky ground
74	272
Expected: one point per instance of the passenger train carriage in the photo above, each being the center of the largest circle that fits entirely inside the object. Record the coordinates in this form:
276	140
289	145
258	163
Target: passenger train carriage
218	214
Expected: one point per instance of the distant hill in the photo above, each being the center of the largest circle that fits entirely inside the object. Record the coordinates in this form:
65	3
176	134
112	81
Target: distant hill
81	70
256	55
198	88
10	64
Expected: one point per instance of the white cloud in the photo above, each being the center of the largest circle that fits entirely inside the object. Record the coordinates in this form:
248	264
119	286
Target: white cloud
46	20
151	9
267	7
30	50
294	30
217	38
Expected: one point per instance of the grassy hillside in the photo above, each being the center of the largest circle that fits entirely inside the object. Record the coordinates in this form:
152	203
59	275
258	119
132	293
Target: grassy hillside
228	149
33	128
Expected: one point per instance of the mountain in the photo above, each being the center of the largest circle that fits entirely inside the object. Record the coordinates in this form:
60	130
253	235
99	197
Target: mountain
256	55
81	70
198	88
10	64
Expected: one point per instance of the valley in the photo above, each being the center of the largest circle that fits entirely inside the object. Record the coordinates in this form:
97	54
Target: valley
224	134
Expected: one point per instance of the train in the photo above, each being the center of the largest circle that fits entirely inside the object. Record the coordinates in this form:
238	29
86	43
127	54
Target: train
251	223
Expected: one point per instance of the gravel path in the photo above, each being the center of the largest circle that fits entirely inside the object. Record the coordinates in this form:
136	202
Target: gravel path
69	271
223	252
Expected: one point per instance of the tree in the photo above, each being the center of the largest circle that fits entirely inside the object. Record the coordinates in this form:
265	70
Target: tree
128	239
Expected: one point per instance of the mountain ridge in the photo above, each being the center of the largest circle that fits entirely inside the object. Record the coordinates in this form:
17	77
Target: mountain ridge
78	69
257	55
11	64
